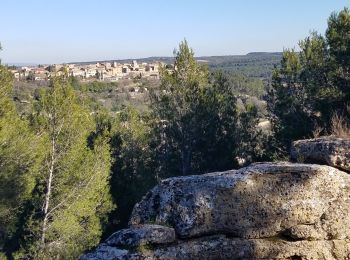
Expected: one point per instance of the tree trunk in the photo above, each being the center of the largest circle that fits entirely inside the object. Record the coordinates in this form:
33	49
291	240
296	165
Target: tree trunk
48	191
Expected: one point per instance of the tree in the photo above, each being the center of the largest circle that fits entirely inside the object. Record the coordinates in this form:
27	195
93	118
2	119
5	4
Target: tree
313	84
195	118
290	116
174	106
133	167
338	41
20	155
215	125
71	198
252	142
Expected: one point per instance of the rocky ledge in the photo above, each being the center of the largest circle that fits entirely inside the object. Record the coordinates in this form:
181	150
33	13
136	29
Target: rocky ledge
331	151
264	211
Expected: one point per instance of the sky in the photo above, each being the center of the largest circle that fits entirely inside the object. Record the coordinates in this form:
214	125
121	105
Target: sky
45	32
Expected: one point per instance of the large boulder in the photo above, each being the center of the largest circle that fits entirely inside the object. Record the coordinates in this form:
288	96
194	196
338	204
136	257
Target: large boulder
264	211
329	150
263	200
223	247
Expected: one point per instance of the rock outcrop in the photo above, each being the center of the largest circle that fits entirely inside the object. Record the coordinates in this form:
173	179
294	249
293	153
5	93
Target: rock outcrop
264	211
142	235
331	151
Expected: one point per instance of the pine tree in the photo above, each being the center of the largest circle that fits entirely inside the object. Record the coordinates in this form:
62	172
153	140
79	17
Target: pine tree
338	40
194	118
312	85
71	199
133	166
19	160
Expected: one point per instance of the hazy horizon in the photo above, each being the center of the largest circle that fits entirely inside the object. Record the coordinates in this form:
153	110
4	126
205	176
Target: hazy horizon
131	58
44	32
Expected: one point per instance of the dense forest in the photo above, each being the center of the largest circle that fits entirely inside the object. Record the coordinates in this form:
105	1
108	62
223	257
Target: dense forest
72	167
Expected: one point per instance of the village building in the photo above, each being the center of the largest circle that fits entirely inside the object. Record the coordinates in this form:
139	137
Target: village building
107	71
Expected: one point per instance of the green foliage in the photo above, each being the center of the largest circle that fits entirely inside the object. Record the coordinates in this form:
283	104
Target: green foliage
133	169
312	85
338	39
253	65
287	101
175	106
193	126
71	197
252	143
95	86
242	85
77	157
19	158
196	119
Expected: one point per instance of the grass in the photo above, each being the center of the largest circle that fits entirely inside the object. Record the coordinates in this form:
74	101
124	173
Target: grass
340	127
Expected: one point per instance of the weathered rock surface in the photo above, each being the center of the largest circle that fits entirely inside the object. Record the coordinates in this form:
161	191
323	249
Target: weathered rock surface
325	150
259	201
264	211
221	247
142	235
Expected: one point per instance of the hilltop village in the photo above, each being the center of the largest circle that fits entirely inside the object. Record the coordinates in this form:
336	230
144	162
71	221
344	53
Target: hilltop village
106	71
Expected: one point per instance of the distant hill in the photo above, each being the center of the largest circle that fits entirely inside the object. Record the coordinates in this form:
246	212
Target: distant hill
254	64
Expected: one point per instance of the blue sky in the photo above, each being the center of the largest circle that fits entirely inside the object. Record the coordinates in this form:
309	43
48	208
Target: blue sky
42	31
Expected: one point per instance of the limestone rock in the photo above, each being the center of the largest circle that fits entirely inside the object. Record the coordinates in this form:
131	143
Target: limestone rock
264	211
305	232
221	247
235	248
106	252
262	200
142	235
325	150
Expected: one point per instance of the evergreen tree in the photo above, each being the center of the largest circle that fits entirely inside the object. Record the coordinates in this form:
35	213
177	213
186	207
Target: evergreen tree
338	40
313	84
19	160
133	168
71	199
287	101
174	106
196	123
252	143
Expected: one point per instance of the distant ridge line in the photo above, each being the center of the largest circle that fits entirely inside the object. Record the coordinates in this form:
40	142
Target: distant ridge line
168	59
